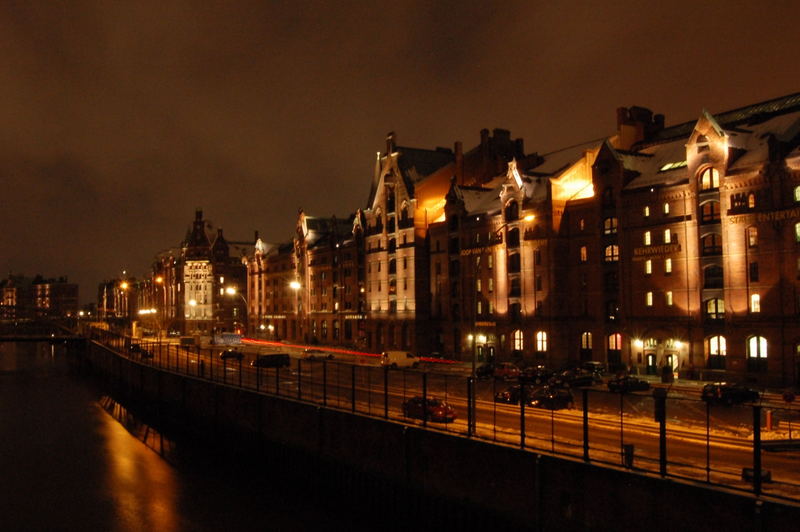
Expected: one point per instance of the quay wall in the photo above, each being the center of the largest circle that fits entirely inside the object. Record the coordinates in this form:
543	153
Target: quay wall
405	472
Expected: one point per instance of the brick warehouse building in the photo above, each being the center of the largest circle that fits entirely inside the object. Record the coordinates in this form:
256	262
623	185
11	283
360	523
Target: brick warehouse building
655	246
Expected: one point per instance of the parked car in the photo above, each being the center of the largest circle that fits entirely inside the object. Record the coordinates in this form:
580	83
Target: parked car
576	379
399	359
231	354
535	375
627	383
484	371
311	353
728	393
551	398
273	360
594	366
432	409
511	394
506	370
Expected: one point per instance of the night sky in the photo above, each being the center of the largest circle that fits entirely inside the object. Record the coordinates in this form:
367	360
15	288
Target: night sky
119	119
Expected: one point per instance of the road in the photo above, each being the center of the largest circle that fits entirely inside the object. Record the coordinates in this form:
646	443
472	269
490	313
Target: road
707	444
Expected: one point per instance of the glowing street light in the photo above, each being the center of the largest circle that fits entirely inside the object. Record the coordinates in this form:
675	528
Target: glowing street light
294	285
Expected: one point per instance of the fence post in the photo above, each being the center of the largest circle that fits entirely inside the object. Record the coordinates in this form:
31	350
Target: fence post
470	407
585	394
386	392
757	450
324	382
353	387
660	398
522	416
300	380
424	399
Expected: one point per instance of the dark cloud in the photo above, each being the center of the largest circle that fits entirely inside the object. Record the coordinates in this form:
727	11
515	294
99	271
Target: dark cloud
120	118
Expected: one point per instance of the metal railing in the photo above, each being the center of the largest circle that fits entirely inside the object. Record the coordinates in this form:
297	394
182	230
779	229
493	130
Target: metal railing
751	448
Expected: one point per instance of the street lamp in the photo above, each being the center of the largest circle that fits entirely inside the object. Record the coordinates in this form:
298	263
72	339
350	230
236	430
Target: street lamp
295	285
232	291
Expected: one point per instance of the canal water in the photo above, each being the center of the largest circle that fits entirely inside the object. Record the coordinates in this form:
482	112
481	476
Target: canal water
67	462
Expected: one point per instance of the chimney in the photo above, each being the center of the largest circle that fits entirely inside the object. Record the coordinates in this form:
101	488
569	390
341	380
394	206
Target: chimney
198	215
458	148
390	143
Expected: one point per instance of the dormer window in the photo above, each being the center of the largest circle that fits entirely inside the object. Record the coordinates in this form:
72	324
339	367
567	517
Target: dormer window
702	144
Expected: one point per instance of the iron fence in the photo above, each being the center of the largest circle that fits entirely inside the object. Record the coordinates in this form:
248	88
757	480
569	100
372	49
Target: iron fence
746	447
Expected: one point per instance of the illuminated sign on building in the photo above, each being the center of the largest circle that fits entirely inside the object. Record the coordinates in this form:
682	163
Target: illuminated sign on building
646	252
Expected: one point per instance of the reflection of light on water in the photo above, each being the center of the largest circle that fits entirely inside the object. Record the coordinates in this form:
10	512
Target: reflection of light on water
143	486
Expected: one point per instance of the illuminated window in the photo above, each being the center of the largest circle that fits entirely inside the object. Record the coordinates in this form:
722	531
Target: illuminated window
584	254
667	236
647	239
797	194
480	308
716	346
666	208
709	179
797	232
610	226
615	341
541	341
757	347
646	211
648	267
586	340
668	298
491	284
489	261
715	309
519	342
478	285
667	265
751	201
752	236
648	299
611	253
755	303
581	224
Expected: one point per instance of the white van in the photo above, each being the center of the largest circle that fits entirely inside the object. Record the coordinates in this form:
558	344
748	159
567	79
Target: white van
399	359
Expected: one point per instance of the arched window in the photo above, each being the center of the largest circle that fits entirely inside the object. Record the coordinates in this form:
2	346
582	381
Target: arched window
614	350
667	236
513	238
711	244
611	253
615	341
755	303
709	212
610	226
512	211
709	179
715	309
715	350
757	353
541	341
752	236
519	342
586	340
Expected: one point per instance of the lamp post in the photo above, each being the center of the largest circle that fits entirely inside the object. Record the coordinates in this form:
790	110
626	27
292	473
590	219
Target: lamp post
232	291
295	285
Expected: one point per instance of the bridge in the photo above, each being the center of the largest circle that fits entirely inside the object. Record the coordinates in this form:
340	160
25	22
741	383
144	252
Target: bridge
40	330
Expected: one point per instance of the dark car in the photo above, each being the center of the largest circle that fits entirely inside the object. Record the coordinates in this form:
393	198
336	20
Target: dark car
511	394
728	393
432	409
551	398
484	371
594	366
535	375
506	371
627	383
274	360
231	354
576	379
